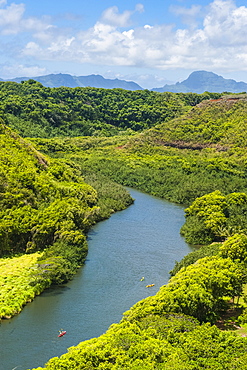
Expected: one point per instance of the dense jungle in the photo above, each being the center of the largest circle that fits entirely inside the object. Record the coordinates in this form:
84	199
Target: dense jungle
66	155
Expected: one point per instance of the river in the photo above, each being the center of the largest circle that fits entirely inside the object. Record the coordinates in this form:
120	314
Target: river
141	241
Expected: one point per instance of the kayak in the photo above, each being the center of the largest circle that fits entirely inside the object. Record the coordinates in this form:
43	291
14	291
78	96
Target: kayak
150	285
62	333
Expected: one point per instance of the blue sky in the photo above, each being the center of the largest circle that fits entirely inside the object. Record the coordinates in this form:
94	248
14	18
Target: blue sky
150	42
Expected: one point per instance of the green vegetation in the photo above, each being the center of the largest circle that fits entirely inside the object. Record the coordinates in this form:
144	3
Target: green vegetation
42	202
171	342
15	276
201	290
36	111
204	251
165	162
45	206
156	333
186	148
161	332
177	175
220	122
213	217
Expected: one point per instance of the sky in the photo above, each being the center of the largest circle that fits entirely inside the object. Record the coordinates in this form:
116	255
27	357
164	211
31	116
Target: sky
149	42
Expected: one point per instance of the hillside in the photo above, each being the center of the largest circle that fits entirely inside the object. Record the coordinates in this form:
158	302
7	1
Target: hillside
33	188
201	81
61	79
217	122
46	211
179	160
38	111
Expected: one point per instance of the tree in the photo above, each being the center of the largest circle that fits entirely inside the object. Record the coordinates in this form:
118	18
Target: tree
235	247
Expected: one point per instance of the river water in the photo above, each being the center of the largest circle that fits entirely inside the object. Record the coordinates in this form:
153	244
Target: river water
141	241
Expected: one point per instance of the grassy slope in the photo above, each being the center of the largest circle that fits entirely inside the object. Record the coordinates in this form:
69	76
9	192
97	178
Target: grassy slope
178	160
16	273
218	123
45	206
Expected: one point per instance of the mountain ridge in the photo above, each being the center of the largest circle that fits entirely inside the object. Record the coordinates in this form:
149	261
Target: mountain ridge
201	81
67	80
197	82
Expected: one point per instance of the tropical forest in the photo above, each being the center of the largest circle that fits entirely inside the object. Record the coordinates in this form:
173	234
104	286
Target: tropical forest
68	157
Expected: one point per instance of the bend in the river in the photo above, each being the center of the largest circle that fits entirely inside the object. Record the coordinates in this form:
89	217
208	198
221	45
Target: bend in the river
141	241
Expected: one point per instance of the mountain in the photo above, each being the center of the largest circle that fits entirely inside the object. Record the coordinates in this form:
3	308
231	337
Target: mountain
57	80
201	81
197	82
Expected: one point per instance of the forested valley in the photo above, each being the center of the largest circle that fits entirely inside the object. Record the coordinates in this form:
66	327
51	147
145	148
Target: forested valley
66	154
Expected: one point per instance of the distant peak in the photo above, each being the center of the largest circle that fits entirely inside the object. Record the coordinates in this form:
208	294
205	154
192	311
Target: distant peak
201	81
202	73
93	80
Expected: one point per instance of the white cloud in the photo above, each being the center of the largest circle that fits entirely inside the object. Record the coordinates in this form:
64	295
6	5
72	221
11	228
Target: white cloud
13	21
189	15
192	12
139	8
129	34
220	41
33	48
112	17
19	70
10	18
225	24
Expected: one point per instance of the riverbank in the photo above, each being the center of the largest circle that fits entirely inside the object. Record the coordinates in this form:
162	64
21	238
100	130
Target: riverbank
16	275
26	276
141	241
